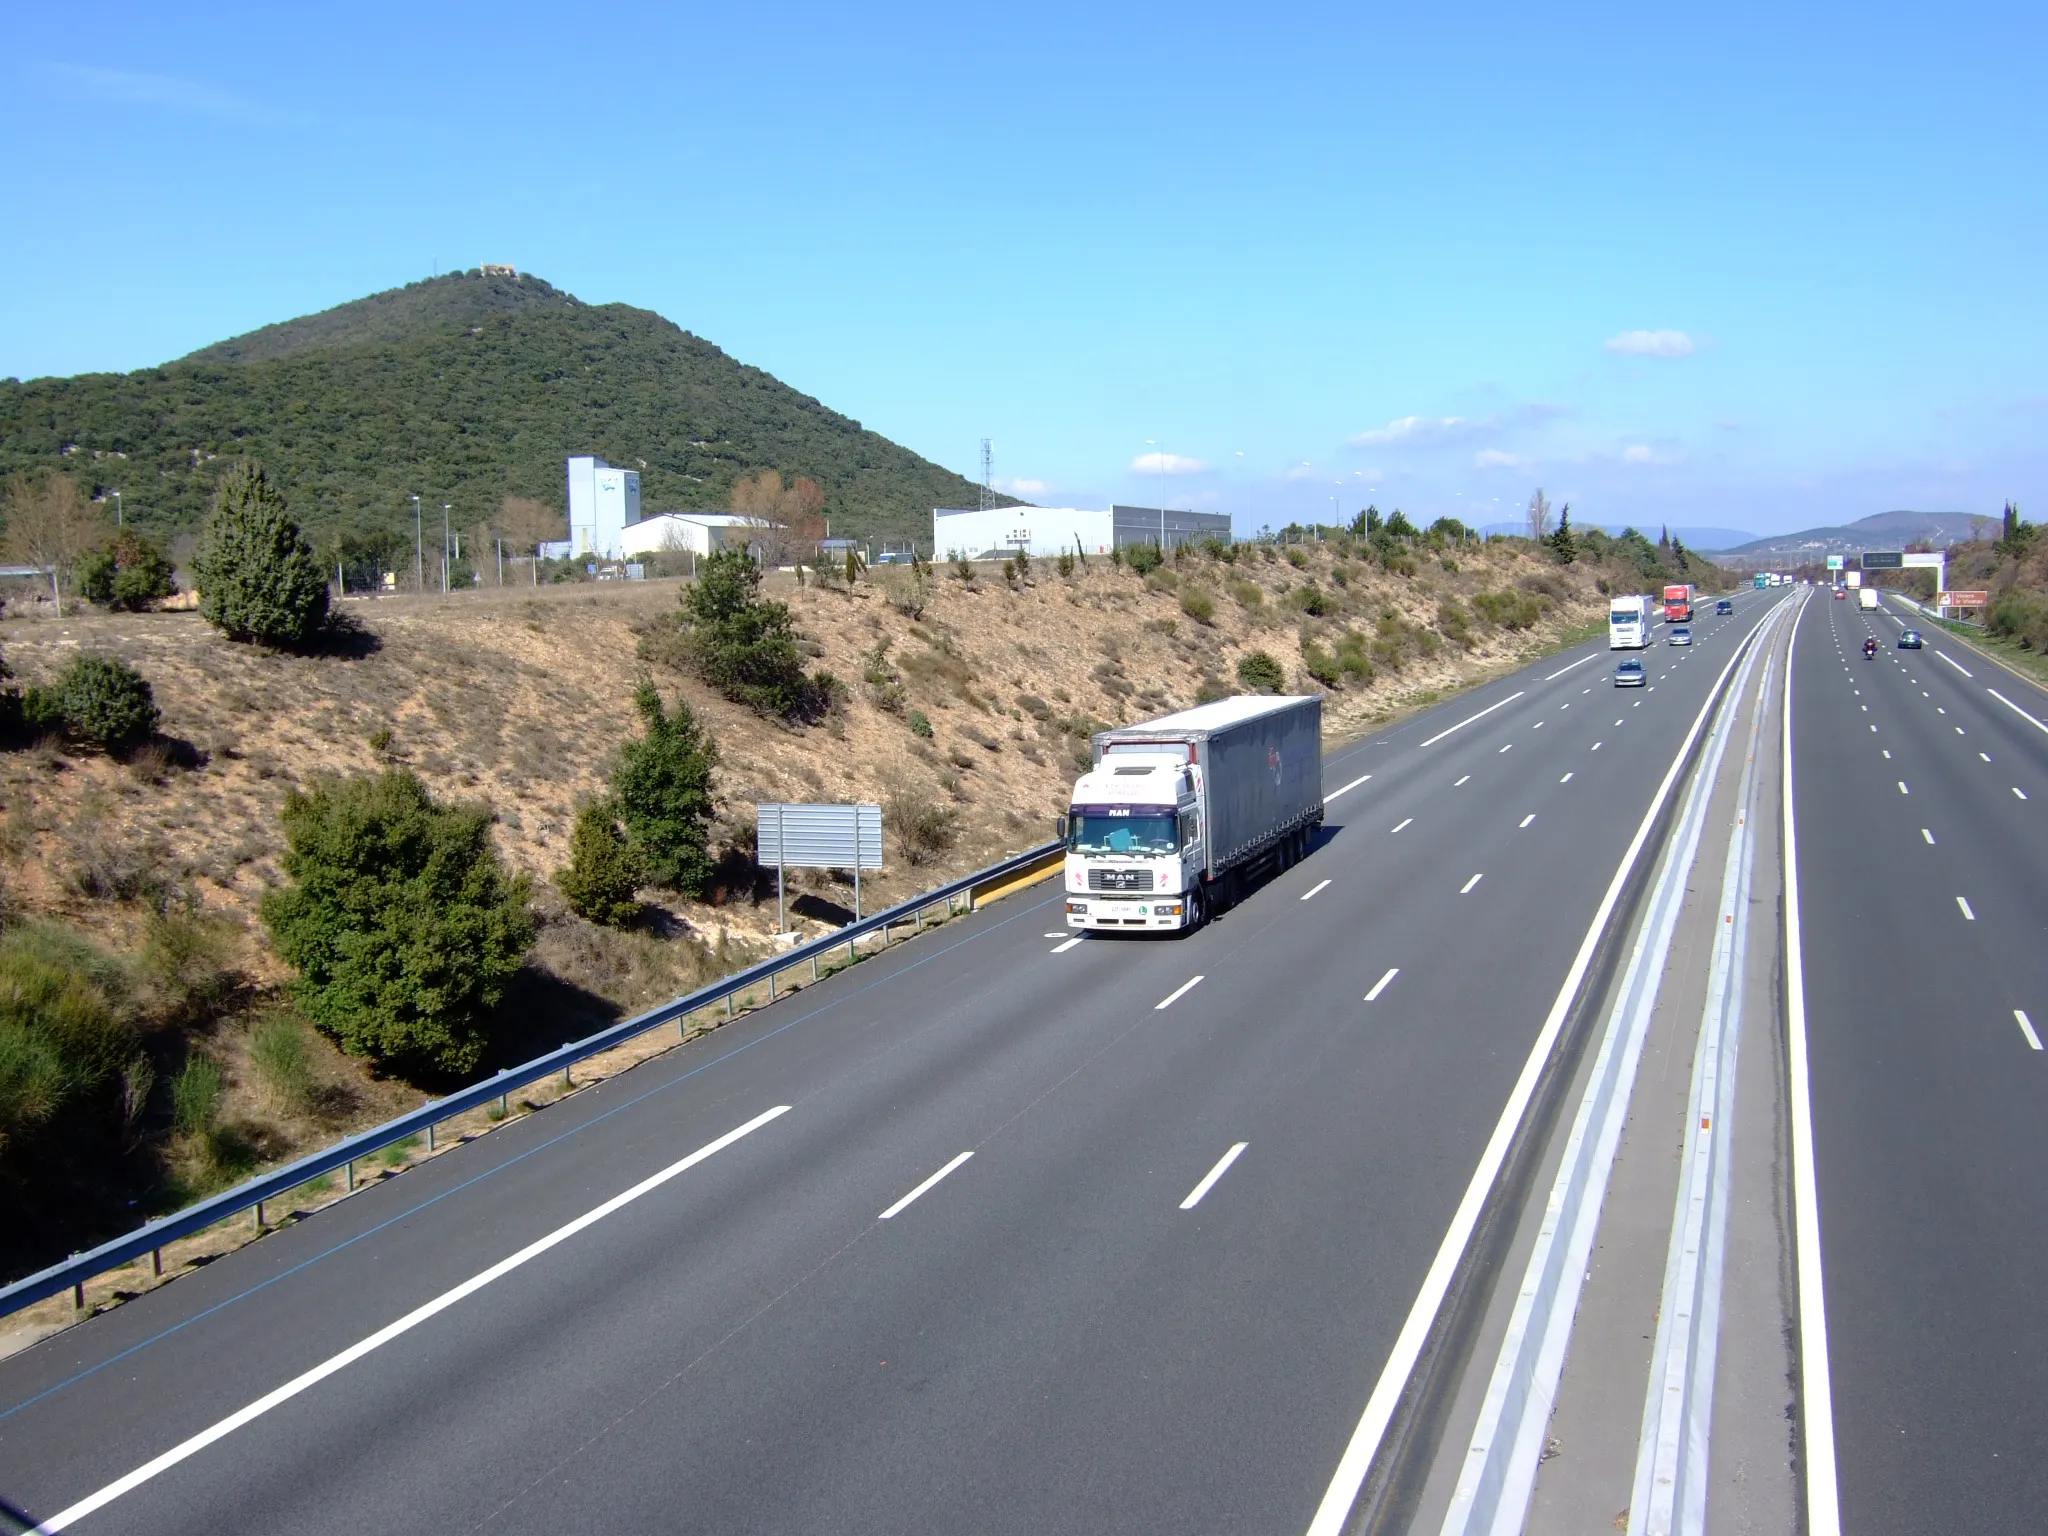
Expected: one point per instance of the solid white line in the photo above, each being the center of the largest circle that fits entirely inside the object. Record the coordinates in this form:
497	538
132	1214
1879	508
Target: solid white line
1968	915
1956	664
1364	1444
1528	818
1381	985
1560	672
1460	781
1209	1179
1333	794
1467	886
1061	949
1177	994
1566	779
2027	1027
1927	834
390	1331
924	1187
1817	1396
1440	735
2008	703
1313	889
1403	824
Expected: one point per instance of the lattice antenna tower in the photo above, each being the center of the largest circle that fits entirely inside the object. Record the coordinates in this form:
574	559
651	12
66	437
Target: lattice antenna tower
988	473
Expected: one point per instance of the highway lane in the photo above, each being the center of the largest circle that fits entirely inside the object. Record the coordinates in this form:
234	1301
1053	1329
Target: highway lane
1924	873
1069	1347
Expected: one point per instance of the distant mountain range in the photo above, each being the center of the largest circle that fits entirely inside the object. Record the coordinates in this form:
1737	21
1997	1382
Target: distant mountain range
1881	530
462	389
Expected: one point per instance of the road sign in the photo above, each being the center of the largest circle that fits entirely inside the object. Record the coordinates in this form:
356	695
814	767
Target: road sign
1965	599
1834	562
817	837
1883	560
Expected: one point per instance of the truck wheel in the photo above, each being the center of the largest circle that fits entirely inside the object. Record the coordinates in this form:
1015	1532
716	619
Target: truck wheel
1198	909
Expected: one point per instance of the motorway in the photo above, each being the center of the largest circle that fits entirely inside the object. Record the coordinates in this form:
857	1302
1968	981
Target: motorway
1922	783
1020	1234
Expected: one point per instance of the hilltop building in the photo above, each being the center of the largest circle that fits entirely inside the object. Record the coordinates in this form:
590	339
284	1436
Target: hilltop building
602	501
1050	531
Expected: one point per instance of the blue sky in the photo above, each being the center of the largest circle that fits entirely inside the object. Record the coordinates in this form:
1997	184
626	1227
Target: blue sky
1744	267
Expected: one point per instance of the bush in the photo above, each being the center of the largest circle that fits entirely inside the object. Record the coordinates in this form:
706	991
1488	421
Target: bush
661	789
1320	664
1310	599
277	1050
184	961
1298	558
1144	558
1398	526
920	723
1454	621
102	701
402	922
1198	605
257	576
1510	610
2020	616
1248	594
605	868
1065	563
924	831
195	1098
743	645
1260	673
130	573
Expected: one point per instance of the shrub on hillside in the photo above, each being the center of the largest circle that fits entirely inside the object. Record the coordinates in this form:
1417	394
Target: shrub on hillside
130	573
924	831
605	868
1260	673
661	789
257	576
1144	558
98	700
1510	610
1198	605
745	646
402	921
2020	616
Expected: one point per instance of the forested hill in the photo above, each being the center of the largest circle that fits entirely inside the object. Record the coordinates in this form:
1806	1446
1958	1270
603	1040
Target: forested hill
461	389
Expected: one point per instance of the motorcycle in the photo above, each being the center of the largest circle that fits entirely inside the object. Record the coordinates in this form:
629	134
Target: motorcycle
1870	647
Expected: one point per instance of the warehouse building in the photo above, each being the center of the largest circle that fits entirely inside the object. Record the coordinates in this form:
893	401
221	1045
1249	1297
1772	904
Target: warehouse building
1048	531
698	533
602	501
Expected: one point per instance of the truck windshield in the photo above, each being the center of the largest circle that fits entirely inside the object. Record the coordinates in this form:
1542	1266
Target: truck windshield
1097	830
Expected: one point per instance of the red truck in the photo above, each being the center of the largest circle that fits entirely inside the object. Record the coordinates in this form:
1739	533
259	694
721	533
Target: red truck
1678	604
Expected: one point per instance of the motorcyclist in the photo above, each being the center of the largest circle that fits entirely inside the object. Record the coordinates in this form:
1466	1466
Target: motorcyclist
1870	647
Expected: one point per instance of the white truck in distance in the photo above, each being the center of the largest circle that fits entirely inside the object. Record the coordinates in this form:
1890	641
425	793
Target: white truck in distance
1630	621
1866	597
1177	811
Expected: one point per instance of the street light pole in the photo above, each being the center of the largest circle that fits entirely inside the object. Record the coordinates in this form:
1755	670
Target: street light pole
419	553
444	547
119	520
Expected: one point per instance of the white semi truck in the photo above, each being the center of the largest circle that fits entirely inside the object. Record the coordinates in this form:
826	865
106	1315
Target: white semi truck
1178	811
1630	621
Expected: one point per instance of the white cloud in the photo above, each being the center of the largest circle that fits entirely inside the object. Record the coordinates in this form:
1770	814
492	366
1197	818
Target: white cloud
1304	472
1651	344
1167	464
128	88
1493	458
1417	431
1022	487
1642	454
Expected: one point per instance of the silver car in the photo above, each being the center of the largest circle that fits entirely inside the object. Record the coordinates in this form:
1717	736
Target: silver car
1629	674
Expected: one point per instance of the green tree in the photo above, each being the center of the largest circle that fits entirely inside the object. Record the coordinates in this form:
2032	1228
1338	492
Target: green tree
740	643
101	700
605	868
2016	535
258	577
402	921
1398	526
130	573
661	787
1259	672
1564	543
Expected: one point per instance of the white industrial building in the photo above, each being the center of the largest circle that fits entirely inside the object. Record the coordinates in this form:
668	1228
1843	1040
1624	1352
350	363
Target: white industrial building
1050	531
602	501
699	533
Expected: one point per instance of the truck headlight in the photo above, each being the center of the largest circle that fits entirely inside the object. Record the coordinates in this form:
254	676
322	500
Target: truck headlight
1077	906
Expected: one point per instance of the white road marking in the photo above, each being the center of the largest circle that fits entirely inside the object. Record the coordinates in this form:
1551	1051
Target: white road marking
2008	703
1566	779
1560	672
1956	664
1968	915
1440	735
924	1187
1508	748
1209	1179
1985	755
1055	935
1887	753
1407	821
1959	730
2020	792
1467	886
1333	794
1313	889
1528	818
1460	781
1927	834
1864	707
1538	726
1061	949
1617	722
220	1430
2026	1027
1176	994
1585	690
1902	788
1381	985
1567	704
1939	710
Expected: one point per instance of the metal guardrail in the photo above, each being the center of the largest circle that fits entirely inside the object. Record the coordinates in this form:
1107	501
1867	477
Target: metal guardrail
73	1272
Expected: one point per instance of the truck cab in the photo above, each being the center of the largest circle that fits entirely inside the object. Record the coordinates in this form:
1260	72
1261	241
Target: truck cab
1135	844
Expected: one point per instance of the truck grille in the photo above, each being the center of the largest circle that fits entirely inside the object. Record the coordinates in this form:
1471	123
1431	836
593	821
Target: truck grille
1119	879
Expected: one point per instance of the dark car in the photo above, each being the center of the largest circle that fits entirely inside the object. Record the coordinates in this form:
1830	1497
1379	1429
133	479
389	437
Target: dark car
1909	640
1629	674
1724	606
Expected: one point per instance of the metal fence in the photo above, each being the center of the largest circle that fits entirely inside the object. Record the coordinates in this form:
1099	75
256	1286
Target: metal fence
73	1272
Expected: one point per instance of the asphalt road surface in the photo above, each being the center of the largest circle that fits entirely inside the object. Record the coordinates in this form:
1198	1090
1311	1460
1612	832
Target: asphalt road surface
1922	784
1207	1176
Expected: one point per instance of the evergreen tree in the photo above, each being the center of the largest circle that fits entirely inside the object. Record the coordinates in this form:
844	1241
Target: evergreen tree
129	573
605	868
1678	556
1564	543
661	787
258	577
1663	542
741	644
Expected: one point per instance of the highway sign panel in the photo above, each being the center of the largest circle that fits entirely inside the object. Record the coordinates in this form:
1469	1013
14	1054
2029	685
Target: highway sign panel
1883	560
1834	562
1965	599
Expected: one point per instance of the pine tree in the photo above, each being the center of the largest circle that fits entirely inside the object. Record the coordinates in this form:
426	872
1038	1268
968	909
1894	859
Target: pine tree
258	577
661	785
605	868
1564	542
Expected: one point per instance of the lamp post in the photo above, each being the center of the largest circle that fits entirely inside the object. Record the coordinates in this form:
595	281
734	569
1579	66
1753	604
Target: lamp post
119	520
444	547
419	554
